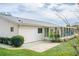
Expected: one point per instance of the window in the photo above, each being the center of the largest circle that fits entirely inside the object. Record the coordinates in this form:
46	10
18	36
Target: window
39	30
12	29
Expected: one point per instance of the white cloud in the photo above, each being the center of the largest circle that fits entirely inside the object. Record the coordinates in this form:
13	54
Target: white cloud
39	12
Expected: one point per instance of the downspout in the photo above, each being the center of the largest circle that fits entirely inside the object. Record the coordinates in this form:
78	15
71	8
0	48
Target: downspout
18	28
20	21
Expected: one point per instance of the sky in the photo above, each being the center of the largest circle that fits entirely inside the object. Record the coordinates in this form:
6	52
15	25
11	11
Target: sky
57	13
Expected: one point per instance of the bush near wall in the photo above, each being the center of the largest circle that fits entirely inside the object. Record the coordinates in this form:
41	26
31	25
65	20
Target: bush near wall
54	37
15	41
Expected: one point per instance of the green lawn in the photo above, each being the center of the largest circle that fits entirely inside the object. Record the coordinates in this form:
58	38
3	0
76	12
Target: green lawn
64	49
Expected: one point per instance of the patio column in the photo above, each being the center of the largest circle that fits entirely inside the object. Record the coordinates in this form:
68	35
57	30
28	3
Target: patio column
60	32
74	31
49	32
64	31
69	32
54	32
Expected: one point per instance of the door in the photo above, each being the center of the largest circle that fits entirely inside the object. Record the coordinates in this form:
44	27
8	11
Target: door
40	34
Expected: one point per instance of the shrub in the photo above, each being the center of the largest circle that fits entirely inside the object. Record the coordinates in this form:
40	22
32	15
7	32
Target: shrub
57	35
14	41
17	40
4	40
1	39
8	41
56	38
51	34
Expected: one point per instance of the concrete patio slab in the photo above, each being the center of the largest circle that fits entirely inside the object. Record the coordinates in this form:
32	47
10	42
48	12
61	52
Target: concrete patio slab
39	46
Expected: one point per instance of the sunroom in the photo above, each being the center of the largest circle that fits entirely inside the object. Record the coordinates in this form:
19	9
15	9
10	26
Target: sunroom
59	33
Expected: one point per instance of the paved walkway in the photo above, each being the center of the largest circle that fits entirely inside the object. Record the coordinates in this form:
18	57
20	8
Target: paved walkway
39	46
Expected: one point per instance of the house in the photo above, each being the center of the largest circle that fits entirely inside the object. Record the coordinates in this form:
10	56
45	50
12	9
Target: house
32	30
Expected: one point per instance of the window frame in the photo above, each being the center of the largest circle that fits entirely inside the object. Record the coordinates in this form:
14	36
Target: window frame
11	29
40	30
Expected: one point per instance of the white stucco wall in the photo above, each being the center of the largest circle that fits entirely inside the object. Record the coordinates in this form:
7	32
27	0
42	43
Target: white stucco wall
30	33
5	28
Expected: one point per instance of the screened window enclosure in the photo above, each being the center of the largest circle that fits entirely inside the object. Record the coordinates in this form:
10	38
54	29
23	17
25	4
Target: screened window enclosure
58	32
51	33
67	31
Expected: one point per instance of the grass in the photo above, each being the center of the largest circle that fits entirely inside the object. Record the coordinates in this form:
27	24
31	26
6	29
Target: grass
22	52
64	49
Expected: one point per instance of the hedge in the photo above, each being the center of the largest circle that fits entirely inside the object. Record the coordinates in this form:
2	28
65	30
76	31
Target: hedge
15	41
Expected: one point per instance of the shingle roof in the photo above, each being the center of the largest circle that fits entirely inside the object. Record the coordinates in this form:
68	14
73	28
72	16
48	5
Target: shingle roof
24	21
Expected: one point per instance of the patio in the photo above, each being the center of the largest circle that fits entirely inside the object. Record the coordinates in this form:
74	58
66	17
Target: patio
38	46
